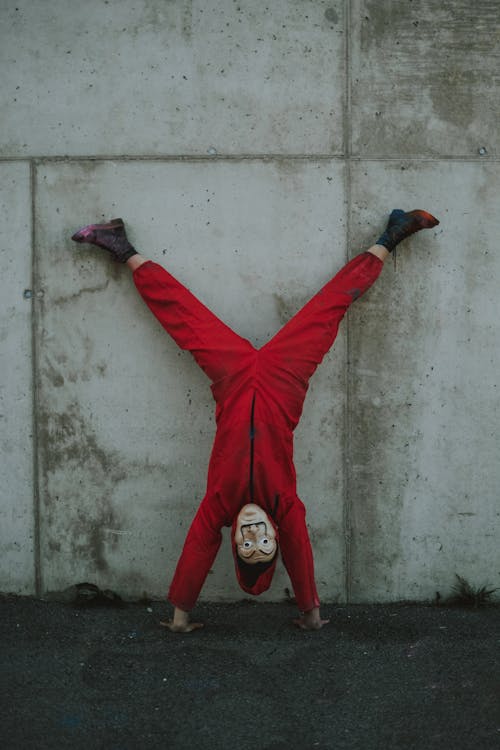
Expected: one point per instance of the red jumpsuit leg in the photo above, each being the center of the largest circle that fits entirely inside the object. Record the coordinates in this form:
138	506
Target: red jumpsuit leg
296	351
301	344
217	349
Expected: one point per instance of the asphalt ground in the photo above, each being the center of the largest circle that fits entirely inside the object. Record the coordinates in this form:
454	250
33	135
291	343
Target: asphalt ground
399	676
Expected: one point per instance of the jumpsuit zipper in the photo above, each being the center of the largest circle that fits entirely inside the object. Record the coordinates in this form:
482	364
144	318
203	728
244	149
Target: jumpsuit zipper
252	445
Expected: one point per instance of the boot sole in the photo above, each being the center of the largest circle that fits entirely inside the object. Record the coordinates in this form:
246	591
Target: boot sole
82	234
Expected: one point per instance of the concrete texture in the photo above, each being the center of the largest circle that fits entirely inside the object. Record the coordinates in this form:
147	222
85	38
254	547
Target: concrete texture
376	678
153	77
424	386
425	78
119	493
252	147
17	523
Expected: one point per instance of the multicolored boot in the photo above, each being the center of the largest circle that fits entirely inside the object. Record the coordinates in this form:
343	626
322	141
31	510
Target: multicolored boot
404	223
111	237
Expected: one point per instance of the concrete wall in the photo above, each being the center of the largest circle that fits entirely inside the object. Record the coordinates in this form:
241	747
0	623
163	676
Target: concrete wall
252	148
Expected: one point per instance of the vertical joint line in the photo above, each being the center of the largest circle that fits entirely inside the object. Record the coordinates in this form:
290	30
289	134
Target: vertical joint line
35	394
347	447
347	81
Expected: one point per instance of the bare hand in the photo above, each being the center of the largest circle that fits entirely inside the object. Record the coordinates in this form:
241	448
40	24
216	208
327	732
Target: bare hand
180	622
310	620
187	627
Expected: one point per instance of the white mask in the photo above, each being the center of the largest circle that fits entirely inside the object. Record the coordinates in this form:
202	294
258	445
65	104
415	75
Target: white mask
254	535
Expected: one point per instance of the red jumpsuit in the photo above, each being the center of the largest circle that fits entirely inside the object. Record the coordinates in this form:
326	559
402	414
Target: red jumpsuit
259	395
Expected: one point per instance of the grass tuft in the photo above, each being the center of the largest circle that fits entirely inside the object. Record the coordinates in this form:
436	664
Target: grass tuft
465	595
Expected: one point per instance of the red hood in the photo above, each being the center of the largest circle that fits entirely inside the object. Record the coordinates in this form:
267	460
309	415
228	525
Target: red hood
254	579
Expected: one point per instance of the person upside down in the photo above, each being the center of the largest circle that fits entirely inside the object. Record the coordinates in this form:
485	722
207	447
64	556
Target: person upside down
259	394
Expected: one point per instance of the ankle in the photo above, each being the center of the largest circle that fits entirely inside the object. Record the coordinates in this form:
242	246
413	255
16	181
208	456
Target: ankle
135	261
379	251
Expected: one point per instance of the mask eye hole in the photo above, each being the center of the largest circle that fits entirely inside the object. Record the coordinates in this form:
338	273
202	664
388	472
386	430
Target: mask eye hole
247	544
265	540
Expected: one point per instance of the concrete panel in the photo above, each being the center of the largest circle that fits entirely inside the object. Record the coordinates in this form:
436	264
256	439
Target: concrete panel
127	419
425	379
153	77
425	77
16	401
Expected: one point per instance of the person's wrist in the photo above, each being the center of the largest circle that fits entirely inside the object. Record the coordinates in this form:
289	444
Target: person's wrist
180	617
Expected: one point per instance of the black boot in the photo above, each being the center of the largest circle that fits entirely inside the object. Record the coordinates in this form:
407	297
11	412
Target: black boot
111	237
402	224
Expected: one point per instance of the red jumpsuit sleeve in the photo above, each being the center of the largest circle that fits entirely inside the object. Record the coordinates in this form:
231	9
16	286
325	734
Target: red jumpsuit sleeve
297	554
199	552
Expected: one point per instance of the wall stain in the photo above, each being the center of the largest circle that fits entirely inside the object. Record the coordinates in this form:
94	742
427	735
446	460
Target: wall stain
66	438
58	368
52	374
287	307
440	74
331	15
87	474
64	299
187	21
159	18
323	535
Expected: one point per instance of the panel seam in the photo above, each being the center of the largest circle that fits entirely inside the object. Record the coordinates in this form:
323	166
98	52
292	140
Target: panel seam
347	443
265	157
35	392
